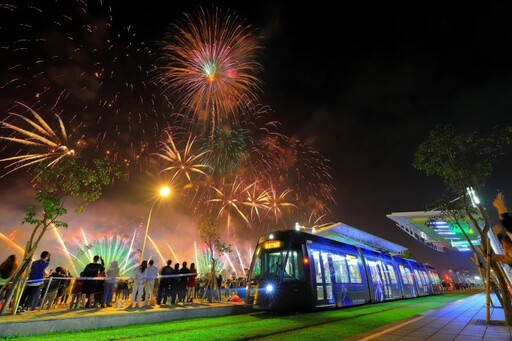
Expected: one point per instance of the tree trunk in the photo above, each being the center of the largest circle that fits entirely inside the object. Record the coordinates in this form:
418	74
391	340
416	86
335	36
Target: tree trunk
505	293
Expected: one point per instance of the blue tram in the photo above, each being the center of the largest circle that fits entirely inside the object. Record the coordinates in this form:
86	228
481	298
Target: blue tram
294	270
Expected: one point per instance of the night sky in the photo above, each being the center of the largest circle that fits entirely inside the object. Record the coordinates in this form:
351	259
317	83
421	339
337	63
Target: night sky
366	83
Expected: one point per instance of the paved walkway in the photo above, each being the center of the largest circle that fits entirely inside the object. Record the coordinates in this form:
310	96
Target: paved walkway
463	320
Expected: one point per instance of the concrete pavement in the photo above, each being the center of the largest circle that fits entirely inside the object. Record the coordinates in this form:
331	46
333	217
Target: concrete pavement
65	319
462	320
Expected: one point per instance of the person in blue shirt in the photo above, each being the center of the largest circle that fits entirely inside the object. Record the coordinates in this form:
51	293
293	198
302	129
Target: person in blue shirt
30	296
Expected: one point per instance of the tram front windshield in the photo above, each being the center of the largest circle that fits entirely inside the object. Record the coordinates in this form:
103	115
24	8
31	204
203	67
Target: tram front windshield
271	263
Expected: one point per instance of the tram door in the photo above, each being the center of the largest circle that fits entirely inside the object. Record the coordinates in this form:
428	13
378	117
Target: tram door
322	279
388	293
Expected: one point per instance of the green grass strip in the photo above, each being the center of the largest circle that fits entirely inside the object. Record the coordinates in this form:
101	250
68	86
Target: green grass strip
322	325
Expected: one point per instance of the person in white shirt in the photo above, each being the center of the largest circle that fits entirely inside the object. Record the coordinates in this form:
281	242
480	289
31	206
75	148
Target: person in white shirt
138	283
149	285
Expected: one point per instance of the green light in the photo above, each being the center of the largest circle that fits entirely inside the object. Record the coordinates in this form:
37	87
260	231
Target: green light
209	69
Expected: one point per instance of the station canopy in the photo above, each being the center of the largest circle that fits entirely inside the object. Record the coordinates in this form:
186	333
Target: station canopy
350	235
436	233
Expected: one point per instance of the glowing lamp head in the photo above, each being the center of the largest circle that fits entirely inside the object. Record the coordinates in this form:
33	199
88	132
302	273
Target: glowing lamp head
269	288
164	191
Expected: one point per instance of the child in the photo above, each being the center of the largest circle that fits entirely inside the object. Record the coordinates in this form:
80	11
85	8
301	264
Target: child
76	294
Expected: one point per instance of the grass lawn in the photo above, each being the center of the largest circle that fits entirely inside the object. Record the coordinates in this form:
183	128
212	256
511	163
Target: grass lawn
322	325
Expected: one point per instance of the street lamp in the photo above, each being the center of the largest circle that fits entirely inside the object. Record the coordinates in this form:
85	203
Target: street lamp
164	191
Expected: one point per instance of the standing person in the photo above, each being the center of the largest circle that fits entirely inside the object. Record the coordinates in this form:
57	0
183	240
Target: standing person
89	286
149	285
68	286
503	215
175	283
122	293
76	294
32	291
138	283
164	287
54	285
7	268
191	283
219	286
110	283
182	291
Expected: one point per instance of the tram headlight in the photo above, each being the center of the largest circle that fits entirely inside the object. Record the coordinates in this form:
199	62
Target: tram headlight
269	288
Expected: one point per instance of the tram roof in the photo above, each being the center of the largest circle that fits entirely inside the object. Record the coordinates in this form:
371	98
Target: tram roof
351	235
438	234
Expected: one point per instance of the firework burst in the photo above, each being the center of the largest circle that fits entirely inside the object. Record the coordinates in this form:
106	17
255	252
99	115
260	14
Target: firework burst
185	162
277	201
229	197
256	199
113	248
45	143
76	59
226	152
210	65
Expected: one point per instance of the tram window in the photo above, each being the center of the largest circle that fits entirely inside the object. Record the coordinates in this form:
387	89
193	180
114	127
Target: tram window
268	264
409	276
328	270
374	271
340	269
406	274
392	274
353	266
424	276
419	278
256	267
318	269
423	280
292	270
434	277
275	261
383	272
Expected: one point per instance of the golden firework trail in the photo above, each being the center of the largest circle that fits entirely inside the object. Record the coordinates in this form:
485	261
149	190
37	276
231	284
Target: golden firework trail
54	145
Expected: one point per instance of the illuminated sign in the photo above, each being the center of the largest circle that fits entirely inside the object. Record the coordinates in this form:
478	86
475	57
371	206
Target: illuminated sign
274	244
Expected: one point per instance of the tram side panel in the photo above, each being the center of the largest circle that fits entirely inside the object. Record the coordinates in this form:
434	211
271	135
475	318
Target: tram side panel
382	279
405	273
433	276
422	284
338	278
392	285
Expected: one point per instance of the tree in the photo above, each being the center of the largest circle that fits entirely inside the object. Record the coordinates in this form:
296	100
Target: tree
53	185
209	234
465	160
407	254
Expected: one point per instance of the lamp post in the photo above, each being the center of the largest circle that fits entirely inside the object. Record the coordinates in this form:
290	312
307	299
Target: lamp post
164	191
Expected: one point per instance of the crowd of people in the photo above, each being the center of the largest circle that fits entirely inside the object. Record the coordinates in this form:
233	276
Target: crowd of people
99	287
